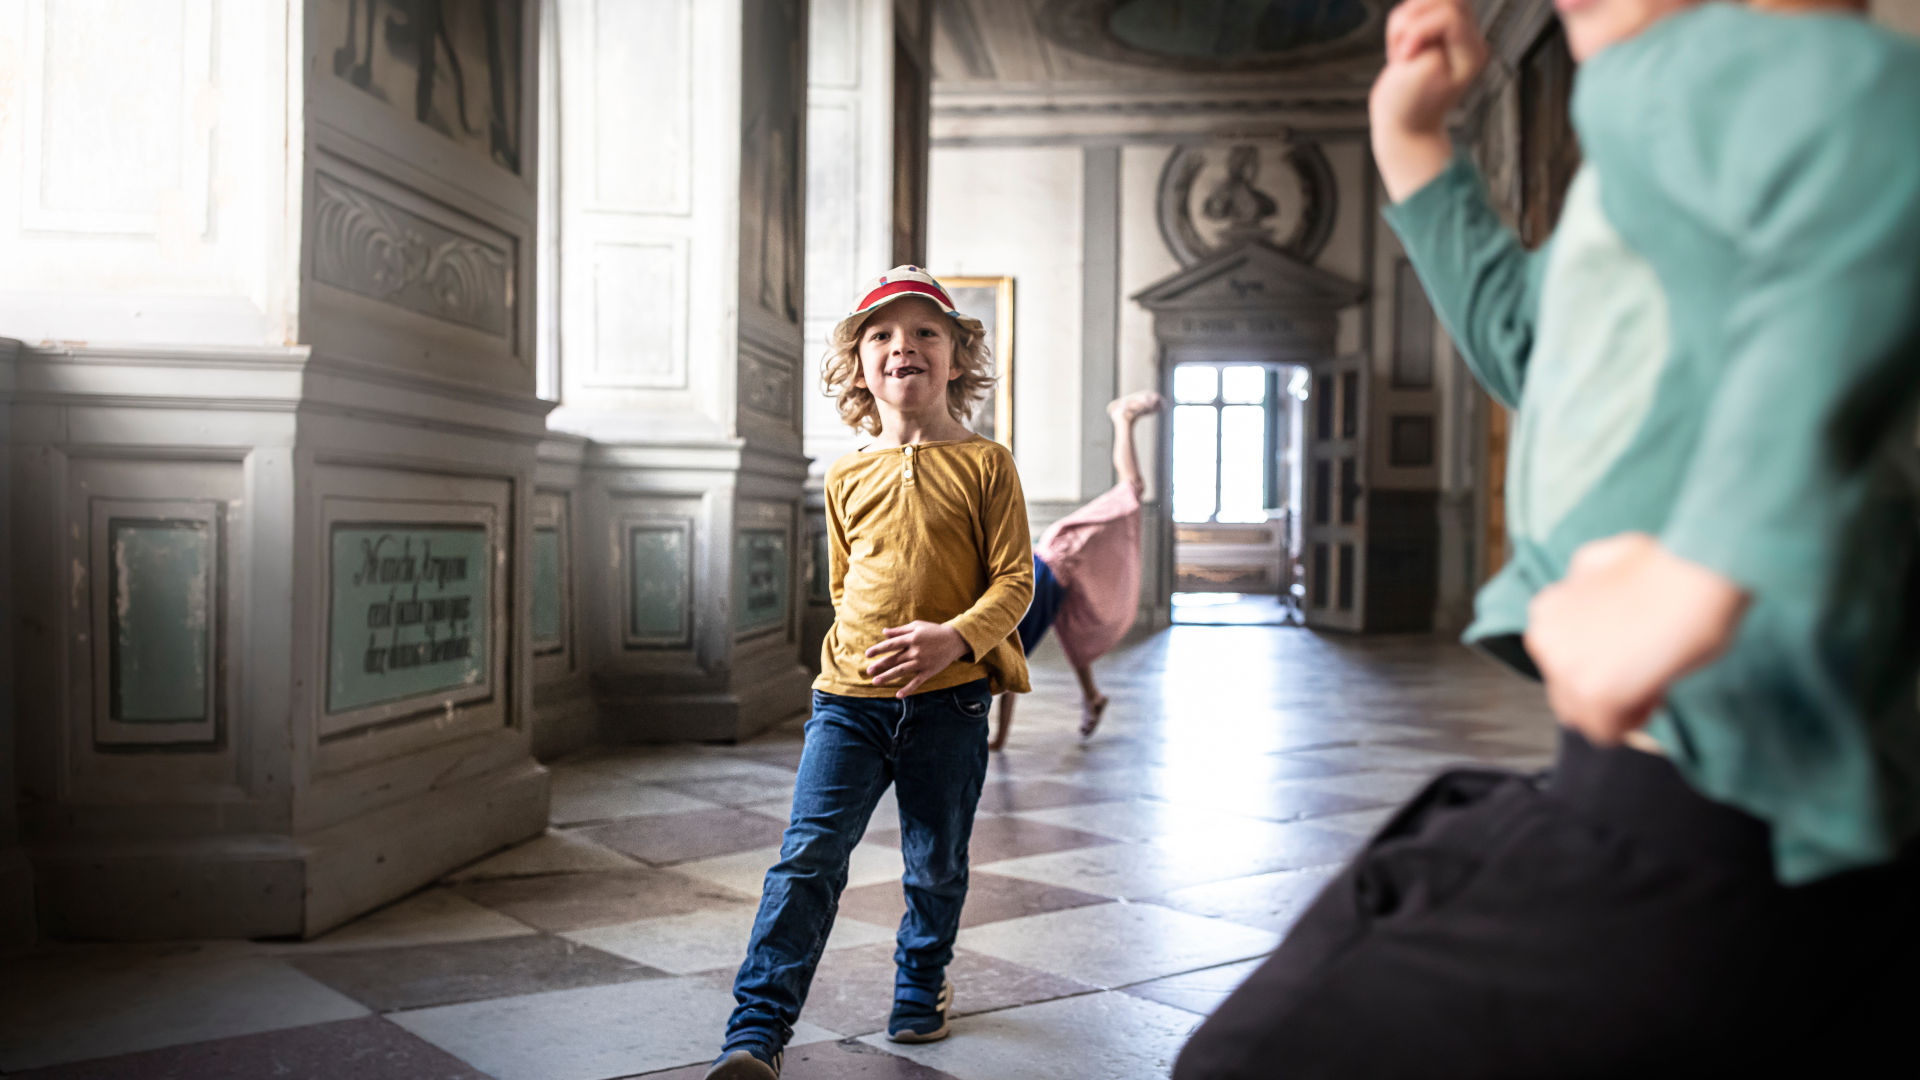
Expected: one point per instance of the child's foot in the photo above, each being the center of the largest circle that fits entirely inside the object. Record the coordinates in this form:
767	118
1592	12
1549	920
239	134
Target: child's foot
918	1015
1090	713
746	1064
1127	409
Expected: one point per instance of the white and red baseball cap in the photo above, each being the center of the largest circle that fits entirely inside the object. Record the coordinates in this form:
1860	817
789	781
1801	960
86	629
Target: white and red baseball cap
892	285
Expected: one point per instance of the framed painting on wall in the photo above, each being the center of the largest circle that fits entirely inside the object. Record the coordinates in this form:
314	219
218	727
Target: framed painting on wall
990	299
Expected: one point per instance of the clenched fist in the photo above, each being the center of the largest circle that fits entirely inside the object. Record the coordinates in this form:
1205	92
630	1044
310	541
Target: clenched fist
1434	52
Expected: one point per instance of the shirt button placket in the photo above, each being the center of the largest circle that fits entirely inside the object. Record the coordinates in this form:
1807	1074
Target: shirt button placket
908	451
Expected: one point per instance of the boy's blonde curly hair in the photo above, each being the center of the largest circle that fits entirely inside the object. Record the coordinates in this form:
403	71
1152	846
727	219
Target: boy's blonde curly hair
841	366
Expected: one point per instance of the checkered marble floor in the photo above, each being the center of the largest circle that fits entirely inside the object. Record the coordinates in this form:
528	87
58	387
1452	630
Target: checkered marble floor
1121	888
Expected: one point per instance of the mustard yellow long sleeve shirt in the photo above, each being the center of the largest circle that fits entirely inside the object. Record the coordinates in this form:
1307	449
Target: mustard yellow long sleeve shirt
935	531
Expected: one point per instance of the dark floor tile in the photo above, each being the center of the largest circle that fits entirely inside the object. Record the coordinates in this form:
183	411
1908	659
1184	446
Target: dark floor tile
847	1060
697	834
1005	796
560	902
996	838
369	1048
387	980
853	988
990	898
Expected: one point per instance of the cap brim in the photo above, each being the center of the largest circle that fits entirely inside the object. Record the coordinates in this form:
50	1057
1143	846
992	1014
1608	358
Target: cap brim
864	314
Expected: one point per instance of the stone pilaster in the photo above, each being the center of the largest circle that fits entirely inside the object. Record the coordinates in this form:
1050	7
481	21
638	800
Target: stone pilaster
682	135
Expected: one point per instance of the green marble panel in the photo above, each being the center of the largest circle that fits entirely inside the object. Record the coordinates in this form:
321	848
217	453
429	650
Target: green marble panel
160	620
760	574
659	602
547	586
409	613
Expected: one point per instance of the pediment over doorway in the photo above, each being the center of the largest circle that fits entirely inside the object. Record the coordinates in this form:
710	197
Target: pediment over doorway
1251	299
1253	276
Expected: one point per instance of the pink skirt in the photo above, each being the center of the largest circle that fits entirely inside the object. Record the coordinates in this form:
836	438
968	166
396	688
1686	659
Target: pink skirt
1095	552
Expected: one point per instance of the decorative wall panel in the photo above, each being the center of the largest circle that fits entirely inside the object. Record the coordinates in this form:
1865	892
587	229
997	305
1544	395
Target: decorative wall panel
660	585
549	592
408	612
643	105
117	136
772	213
156	619
639	315
473	99
833	44
369	245
761	564
766	383
833	193
550	618
1413	321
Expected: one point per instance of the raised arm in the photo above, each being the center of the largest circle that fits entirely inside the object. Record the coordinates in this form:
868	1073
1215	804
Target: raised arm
1483	284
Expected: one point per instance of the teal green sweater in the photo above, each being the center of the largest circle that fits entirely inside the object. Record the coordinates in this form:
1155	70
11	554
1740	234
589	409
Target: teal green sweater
1719	347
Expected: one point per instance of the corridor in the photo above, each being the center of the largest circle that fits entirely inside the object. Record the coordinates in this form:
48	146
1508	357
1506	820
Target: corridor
1120	888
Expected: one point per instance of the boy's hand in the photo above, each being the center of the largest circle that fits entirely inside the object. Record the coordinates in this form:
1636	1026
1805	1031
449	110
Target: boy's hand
916	652
1626	622
1434	52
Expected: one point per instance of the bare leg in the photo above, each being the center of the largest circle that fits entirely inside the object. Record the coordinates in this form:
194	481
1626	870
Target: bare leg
1004	722
1124	412
1093	703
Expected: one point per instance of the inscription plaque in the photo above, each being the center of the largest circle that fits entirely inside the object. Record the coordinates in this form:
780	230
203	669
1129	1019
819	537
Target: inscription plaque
410	606
759	579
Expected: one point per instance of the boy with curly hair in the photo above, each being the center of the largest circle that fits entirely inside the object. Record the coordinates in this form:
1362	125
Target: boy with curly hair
931	571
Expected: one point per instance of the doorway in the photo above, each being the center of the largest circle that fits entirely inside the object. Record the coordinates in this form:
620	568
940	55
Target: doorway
1237	481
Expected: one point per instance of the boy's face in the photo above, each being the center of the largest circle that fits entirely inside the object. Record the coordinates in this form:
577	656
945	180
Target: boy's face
906	356
1593	25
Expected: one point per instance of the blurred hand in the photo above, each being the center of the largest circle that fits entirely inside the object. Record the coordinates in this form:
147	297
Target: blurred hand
1434	52
1627	621
915	652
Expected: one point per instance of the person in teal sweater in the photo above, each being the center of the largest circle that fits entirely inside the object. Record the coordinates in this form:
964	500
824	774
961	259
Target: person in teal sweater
1715	365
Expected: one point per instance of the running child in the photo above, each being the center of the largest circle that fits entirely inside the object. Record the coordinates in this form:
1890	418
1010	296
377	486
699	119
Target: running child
931	571
1086	572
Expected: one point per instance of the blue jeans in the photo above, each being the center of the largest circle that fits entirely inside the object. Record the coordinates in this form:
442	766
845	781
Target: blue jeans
933	746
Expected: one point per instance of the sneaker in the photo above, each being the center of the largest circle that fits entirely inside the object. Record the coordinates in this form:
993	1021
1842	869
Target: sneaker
746	1065
920	1016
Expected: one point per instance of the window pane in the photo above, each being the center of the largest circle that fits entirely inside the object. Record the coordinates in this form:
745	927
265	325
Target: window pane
1323	407
1193	461
1244	384
1195	383
1243	462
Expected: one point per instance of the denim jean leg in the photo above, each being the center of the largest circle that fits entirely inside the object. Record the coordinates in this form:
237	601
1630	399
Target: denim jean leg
938	776
844	768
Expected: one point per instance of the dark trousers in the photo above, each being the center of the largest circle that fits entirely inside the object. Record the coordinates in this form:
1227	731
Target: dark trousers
1601	921
933	747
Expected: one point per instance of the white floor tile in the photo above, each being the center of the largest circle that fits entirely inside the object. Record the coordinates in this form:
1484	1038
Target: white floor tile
711	940
1107	1036
588	1034
1116	944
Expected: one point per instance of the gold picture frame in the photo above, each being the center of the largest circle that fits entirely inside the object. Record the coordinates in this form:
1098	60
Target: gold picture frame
990	299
